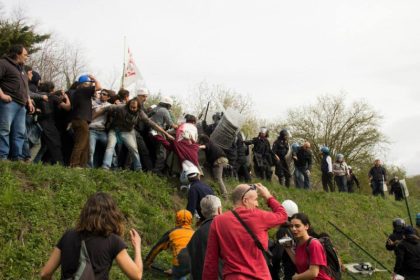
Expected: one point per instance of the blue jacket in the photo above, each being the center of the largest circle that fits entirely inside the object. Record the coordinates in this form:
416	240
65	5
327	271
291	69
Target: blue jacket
197	191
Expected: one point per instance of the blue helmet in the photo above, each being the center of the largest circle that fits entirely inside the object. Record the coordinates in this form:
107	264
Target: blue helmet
295	147
84	79
325	150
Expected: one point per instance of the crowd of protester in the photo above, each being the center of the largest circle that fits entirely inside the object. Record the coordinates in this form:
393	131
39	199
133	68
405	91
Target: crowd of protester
90	126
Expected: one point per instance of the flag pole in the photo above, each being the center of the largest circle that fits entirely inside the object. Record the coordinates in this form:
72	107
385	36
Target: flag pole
123	72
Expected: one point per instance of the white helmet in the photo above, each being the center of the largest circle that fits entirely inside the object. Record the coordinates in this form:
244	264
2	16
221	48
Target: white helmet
167	100
143	91
291	207
190	169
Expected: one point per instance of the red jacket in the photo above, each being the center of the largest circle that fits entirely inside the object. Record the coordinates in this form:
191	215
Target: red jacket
184	149
229	241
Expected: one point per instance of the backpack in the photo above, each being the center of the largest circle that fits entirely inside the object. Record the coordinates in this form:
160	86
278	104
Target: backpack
84	270
333	264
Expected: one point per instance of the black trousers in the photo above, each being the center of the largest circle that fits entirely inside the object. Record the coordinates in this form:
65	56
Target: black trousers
327	182
51	139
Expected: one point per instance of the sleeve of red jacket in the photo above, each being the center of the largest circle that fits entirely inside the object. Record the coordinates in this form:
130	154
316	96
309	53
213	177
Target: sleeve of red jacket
211	262
278	215
163	141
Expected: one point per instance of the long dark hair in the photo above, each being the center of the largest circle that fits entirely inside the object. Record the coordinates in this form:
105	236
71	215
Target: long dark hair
305	221
101	216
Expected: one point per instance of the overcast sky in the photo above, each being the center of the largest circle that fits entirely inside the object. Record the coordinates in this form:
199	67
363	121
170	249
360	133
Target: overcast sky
282	53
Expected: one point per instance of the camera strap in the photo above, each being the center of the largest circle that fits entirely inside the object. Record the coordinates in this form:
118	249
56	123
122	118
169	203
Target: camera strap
267	254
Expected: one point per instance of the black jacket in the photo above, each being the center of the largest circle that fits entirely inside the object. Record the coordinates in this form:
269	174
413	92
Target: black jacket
378	173
281	148
408	257
242	150
262	151
197	191
394	236
396	189
304	159
197	250
213	153
14	81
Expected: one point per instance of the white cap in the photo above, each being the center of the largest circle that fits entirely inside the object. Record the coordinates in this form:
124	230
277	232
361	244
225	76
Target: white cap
291	207
263	130
167	100
143	91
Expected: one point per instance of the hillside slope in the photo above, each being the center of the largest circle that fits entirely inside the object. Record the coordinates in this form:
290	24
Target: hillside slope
38	203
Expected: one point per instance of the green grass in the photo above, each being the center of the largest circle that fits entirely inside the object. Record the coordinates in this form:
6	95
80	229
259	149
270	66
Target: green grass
38	203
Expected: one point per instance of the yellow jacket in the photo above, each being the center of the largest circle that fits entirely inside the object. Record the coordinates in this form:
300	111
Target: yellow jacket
176	238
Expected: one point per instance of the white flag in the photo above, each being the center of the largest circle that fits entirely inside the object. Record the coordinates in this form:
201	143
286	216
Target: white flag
131	72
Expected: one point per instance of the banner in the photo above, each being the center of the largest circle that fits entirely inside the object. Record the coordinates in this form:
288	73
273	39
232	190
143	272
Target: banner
131	73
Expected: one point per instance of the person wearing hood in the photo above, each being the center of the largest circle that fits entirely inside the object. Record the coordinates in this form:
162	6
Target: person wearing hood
263	156
407	253
177	240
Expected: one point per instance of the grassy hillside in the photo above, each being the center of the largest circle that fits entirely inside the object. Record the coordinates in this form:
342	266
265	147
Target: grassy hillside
38	203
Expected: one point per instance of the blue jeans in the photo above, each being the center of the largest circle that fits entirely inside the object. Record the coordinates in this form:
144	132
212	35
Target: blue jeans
302	179
94	137
129	140
341	182
12	130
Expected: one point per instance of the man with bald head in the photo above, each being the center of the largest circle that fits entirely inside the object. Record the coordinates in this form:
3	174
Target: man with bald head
230	241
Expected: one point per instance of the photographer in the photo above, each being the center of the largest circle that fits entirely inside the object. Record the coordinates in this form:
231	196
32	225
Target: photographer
233	235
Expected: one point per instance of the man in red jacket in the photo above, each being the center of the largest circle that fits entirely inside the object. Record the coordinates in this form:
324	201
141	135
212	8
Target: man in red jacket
229	240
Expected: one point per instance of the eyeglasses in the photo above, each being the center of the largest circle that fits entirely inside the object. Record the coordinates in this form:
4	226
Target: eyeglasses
251	188
104	93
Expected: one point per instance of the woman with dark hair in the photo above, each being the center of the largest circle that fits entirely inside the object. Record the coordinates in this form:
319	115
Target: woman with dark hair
100	226
309	255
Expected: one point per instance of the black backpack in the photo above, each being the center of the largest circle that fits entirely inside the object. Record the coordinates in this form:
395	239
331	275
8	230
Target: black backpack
84	270
333	268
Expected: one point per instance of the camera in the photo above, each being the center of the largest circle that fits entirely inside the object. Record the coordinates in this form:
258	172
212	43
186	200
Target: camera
286	241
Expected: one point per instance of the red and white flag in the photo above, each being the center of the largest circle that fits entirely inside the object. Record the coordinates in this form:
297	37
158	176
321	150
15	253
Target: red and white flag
131	73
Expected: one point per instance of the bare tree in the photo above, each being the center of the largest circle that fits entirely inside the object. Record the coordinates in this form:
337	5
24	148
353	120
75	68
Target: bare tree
59	61
352	131
217	94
